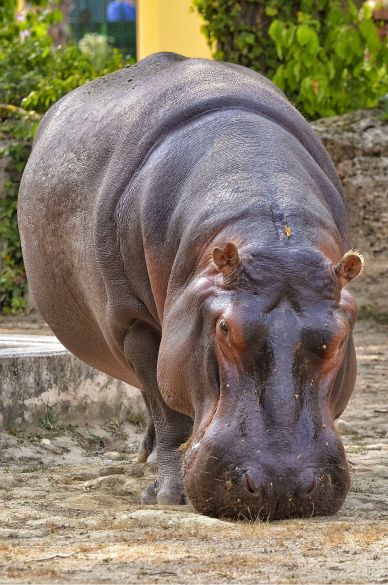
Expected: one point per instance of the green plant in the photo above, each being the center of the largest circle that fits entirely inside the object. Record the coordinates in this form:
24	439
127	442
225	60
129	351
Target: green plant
332	66
137	419
237	31
50	420
13	428
115	427
13	283
369	311
326	55
34	74
96	49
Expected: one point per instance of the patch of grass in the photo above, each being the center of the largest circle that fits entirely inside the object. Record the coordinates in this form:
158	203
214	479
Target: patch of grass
34	437
368	311
335	534
50	420
52	423
91	442
33	469
13	429
358	449
371	534
115	427
137	419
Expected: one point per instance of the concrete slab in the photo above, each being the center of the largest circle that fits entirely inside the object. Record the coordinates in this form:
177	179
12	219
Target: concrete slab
25	345
38	371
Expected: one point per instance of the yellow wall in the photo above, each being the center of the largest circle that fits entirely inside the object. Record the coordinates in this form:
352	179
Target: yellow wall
169	25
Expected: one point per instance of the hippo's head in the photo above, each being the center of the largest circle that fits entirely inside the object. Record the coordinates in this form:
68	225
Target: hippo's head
258	350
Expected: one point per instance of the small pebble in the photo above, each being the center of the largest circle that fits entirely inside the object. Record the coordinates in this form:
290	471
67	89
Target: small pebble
8	482
111	470
129	488
45	441
133	448
173	519
135	470
105	481
345	428
83	476
112	455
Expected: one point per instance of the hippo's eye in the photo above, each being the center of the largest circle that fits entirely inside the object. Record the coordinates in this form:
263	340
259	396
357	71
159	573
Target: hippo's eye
224	327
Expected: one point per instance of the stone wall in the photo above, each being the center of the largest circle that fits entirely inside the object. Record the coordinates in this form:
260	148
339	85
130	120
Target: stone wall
37	373
358	145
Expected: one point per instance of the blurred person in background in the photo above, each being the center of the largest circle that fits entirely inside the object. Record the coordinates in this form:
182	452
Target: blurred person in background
121	10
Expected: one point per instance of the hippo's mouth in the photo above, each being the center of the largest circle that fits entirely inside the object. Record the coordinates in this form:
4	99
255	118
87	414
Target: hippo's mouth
228	484
229	496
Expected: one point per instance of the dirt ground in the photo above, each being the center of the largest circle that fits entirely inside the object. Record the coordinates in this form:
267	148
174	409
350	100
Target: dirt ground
70	507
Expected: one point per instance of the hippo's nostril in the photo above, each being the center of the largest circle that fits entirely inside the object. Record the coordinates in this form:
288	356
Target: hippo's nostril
308	490
251	484
308	484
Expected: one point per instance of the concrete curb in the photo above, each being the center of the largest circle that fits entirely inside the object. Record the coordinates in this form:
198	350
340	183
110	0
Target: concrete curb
38	371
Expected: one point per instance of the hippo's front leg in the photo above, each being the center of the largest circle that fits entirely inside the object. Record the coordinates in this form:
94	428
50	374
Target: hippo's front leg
171	428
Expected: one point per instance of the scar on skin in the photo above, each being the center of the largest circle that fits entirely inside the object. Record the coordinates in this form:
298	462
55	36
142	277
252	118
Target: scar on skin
287	230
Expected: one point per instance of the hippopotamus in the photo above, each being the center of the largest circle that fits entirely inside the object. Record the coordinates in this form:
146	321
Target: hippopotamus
184	230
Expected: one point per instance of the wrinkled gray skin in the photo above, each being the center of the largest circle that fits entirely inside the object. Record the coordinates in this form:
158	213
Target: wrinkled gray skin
183	230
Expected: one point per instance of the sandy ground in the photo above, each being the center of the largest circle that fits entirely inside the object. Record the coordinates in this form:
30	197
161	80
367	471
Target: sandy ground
70	508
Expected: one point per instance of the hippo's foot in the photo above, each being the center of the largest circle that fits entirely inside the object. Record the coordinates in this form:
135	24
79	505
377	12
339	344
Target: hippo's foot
166	493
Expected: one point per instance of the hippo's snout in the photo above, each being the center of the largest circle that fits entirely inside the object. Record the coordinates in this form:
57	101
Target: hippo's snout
255	495
263	485
261	495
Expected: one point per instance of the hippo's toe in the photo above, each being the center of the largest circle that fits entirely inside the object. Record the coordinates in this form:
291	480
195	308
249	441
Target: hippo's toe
149	496
167	493
147	445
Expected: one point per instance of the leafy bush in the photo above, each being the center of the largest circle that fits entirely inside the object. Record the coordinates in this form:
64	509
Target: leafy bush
326	55
238	30
34	74
13	284
333	66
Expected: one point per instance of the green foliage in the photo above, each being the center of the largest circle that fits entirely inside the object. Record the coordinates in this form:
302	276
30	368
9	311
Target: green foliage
12	276
331	66
34	74
326	55
238	30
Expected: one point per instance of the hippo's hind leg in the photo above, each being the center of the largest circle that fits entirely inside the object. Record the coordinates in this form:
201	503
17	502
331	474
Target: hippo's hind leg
147	447
172	428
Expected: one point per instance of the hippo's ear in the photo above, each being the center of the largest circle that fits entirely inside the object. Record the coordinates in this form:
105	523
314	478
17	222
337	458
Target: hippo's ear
226	259
349	267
